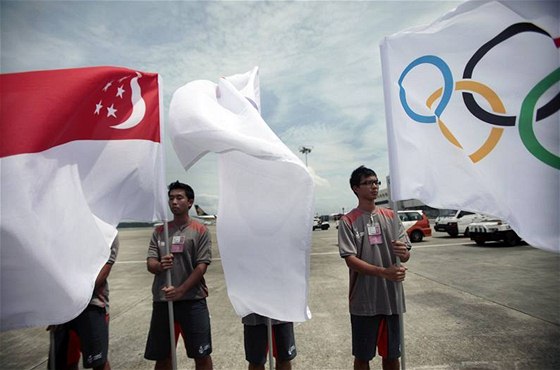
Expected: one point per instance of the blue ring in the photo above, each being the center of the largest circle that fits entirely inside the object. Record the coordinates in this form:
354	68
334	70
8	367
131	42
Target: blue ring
447	88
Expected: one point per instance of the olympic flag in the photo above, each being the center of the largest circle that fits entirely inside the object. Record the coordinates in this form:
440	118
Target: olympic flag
266	206
80	151
472	106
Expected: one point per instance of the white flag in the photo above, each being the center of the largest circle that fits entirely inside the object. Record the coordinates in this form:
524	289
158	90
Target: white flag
266	205
80	151
472	106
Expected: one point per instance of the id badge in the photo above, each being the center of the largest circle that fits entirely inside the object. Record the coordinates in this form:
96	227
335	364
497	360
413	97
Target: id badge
374	234
177	244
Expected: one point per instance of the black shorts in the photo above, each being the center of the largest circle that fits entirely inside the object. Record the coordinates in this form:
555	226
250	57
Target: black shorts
256	342
381	331
89	332
192	321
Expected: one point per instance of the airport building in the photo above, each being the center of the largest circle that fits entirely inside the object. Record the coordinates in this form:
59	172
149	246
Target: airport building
383	201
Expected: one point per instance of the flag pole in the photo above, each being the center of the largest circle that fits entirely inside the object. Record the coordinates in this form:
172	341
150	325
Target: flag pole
395	224
52	359
270	349
170	303
166	229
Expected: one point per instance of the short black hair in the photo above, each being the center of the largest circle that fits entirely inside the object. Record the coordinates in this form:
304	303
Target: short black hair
189	192
358	174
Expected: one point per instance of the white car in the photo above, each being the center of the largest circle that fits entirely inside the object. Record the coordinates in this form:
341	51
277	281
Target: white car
493	230
456	222
318	223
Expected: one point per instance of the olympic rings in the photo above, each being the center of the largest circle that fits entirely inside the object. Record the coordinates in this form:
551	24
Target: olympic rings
548	109
527	115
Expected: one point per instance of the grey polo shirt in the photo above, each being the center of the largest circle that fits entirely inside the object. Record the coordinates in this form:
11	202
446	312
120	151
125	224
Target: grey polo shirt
190	244
371	295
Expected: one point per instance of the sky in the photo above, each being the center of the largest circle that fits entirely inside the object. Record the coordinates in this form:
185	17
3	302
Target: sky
320	68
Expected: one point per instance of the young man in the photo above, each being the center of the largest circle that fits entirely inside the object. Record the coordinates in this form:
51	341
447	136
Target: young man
190	254
368	244
255	336
89	332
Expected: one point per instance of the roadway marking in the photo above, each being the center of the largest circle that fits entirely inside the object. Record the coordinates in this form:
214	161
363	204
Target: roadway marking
414	246
117	262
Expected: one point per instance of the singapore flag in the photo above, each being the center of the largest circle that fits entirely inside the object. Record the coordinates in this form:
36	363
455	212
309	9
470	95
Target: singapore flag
80	150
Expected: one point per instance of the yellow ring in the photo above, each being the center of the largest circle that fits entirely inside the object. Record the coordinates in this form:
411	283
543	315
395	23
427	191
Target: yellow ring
495	103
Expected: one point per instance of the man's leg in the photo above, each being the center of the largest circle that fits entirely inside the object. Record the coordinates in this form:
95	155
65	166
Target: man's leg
391	364
364	339
255	341
66	347
164	364
158	346
390	343
105	366
284	345
283	365
203	363
360	364
92	327
194	319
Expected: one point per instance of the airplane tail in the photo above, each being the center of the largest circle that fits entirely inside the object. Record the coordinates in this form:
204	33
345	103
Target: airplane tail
200	211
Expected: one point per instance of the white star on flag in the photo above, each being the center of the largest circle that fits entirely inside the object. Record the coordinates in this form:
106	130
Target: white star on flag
120	92
111	111
98	107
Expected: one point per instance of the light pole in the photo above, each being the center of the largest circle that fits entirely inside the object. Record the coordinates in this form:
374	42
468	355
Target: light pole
305	150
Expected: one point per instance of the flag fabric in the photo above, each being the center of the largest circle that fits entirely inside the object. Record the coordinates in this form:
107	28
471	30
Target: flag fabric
80	151
265	211
472	115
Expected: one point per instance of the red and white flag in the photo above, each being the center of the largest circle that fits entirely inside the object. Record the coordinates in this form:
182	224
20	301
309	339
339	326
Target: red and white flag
80	150
473	110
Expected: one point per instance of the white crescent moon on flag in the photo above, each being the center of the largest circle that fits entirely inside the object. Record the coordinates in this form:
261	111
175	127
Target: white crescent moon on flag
138	106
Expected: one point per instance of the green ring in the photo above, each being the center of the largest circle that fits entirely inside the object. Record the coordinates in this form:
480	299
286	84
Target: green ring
526	131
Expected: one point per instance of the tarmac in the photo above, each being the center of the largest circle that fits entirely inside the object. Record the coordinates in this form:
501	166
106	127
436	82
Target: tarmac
468	307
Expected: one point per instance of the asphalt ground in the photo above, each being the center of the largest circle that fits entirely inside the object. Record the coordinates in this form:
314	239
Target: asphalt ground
469	307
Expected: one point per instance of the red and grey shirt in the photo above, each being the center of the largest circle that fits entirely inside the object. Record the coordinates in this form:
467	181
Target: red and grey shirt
371	295
190	244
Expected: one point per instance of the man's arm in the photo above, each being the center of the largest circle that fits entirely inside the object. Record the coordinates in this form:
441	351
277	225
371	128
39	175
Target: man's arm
156	266
393	273
106	269
172	293
401	250
103	275
153	265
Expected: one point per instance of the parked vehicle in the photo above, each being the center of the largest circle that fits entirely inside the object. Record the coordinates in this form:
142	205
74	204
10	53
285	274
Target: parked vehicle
416	224
493	230
320	223
456	222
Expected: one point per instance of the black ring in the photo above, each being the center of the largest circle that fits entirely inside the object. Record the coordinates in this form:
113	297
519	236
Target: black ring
548	109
